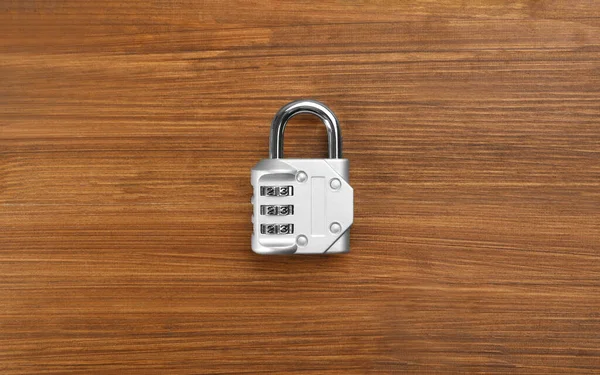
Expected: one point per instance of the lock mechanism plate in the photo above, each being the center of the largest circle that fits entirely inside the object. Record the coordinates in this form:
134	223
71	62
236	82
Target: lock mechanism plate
302	206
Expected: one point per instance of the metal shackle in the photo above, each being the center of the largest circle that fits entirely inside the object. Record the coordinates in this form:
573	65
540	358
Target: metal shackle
334	134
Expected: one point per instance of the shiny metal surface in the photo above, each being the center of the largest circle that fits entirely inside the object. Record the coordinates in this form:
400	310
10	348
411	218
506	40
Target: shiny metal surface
334	134
322	204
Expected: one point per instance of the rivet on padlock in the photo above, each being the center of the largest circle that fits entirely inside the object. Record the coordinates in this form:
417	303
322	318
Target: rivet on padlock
302	206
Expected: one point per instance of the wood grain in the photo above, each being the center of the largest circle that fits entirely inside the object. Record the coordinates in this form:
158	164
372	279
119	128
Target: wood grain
128	130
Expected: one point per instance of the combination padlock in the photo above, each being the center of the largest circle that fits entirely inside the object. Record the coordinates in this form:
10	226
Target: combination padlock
302	206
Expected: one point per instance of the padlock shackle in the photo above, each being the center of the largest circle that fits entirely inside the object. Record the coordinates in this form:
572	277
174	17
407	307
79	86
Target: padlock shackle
334	134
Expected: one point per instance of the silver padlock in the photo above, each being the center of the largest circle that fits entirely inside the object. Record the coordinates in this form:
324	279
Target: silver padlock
302	206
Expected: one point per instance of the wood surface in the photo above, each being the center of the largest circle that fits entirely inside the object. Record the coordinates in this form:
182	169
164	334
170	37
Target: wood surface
129	128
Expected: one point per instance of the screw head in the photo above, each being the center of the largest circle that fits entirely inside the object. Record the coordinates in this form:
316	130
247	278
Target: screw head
335	228
301	176
335	184
301	240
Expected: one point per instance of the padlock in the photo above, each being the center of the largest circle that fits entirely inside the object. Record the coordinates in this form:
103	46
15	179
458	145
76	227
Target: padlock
302	206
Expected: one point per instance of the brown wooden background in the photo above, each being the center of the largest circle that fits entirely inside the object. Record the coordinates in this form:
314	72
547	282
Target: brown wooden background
128	130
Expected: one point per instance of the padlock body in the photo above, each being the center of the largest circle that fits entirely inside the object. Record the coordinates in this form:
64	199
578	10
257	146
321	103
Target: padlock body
302	206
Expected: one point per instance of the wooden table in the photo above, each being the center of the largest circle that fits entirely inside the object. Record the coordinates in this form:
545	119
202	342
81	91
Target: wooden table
128	130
